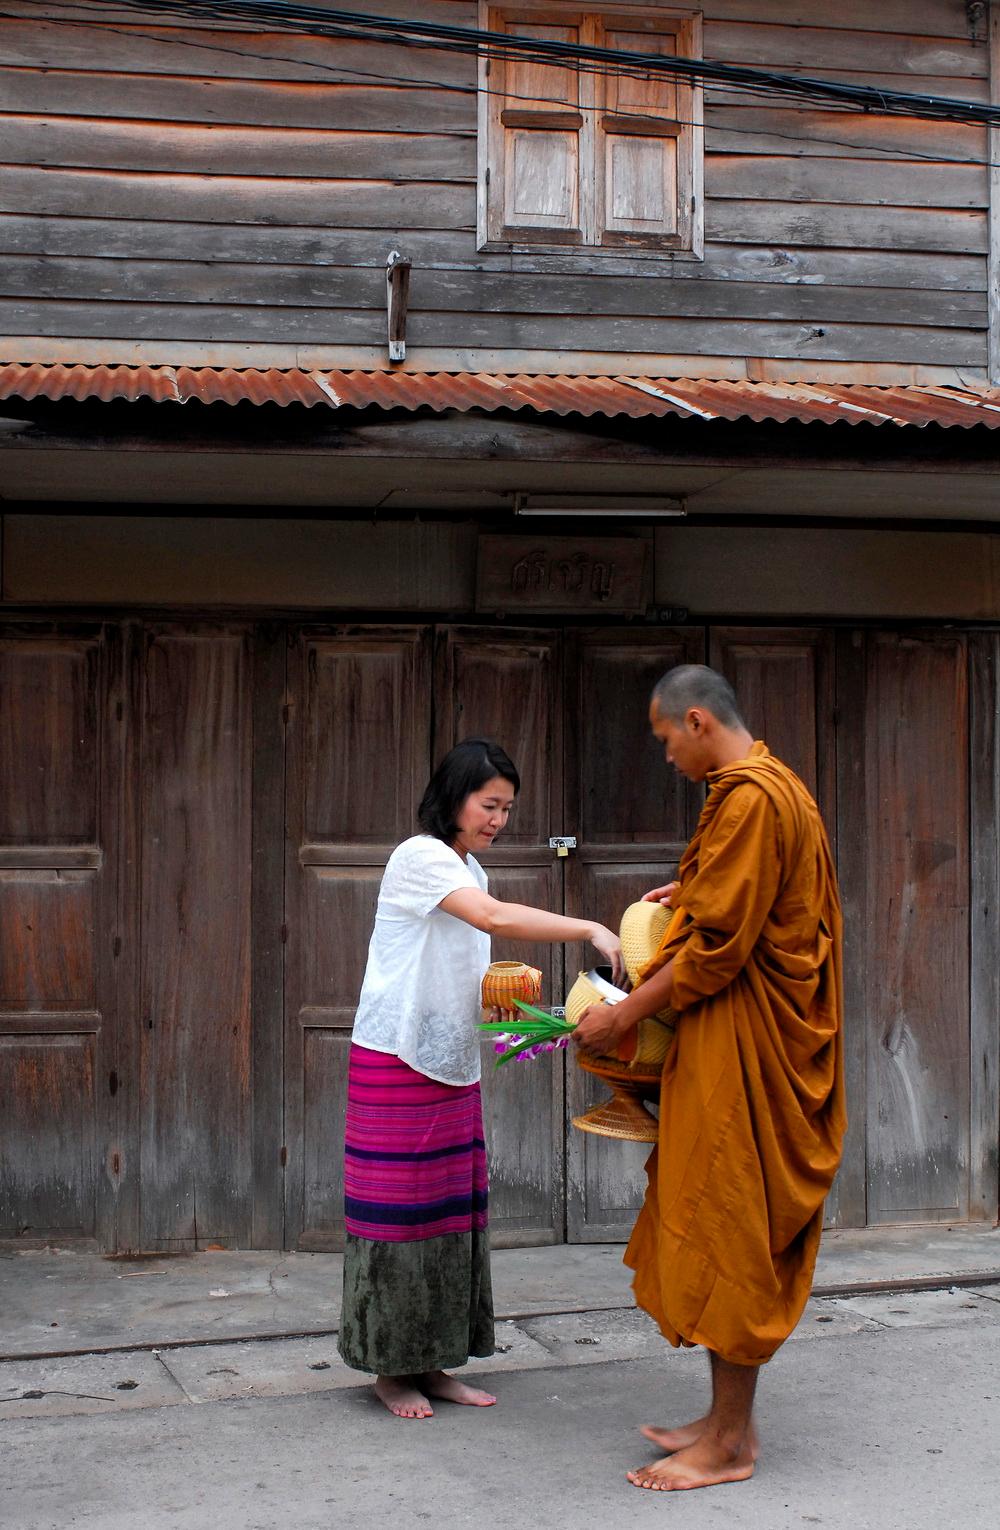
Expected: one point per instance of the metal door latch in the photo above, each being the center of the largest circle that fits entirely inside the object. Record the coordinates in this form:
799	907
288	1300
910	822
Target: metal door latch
562	844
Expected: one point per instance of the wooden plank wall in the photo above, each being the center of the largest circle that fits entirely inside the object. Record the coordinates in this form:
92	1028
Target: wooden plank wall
177	194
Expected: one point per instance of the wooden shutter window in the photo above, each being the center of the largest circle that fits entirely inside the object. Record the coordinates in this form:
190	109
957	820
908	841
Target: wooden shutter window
540	123
638	146
588	159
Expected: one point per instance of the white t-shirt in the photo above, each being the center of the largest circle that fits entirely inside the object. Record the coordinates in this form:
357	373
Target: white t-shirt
421	996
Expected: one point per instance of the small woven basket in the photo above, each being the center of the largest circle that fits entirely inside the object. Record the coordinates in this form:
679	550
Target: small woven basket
506	982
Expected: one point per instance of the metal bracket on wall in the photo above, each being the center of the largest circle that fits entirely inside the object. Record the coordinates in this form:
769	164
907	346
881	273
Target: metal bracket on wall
397	296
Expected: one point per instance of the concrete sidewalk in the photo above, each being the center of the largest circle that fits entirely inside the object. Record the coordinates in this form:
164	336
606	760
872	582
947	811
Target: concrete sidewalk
54	1302
177	1394
881	1413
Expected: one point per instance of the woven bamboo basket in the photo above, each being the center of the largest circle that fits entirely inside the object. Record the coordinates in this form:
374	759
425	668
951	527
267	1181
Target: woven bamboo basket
506	982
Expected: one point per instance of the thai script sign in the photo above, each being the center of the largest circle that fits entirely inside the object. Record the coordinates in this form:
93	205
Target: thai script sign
596	574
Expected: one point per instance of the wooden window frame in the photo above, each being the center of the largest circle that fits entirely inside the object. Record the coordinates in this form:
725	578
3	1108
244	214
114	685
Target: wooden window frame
591	241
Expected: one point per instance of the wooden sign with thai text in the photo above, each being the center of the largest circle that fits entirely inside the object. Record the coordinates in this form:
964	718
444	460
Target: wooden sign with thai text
561	574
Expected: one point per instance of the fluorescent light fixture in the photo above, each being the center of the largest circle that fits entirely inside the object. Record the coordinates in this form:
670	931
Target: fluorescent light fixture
628	506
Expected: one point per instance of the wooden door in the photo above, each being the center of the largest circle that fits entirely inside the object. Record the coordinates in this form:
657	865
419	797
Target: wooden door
194	1013
784	679
632	816
905	823
358	753
507	686
60	776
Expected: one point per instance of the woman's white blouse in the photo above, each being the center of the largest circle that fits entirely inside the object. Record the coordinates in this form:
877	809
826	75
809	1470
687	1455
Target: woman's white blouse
420	999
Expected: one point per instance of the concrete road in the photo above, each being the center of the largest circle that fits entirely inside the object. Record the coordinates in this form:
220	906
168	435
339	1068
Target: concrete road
881	1412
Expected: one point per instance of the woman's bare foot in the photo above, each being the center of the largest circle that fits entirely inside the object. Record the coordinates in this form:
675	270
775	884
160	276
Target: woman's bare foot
672	1440
402	1398
440	1384
703	1464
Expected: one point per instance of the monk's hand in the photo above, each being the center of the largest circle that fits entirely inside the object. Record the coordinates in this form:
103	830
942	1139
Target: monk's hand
610	947
598	1030
664	895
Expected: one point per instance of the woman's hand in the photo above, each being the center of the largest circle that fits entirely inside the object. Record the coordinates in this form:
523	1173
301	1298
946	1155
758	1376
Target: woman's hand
664	895
599	1030
610	947
498	1016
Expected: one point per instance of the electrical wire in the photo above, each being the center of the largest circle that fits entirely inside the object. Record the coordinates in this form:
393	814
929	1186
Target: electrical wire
347	75
439	36
344	74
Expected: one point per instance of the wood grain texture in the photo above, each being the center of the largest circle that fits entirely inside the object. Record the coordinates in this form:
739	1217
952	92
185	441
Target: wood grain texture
371	203
355	697
784	683
214	149
195	985
49	1162
632	816
526	334
49	741
993	142
507	687
441	255
267	917
917	951
58	1011
924	18
901	52
350	287
984	909
329	105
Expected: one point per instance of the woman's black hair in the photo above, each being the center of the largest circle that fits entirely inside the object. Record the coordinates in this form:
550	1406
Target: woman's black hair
464	769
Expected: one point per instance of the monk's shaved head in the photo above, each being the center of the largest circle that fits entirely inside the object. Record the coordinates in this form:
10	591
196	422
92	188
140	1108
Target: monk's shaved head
695	685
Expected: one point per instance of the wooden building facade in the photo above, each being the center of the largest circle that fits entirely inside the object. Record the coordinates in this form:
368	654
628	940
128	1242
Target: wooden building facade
255	578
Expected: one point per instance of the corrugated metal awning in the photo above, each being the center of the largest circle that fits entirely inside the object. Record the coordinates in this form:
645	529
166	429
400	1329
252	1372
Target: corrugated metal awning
635	397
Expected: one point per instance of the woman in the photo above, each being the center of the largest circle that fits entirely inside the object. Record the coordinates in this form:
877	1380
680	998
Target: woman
417	1294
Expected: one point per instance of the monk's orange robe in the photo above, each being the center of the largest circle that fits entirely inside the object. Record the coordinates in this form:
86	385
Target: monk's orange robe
752	1105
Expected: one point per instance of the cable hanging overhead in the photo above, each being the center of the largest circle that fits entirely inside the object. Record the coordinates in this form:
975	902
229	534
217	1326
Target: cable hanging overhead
439	36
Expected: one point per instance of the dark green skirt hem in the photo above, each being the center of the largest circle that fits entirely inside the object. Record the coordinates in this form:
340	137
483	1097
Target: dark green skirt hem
415	1307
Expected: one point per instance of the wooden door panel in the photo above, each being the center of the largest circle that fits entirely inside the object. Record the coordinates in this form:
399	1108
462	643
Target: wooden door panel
195	1003
357	760
49	741
523	1101
506	686
58	998
47	925
324	1104
918	928
632	815
336	902
784	683
624	794
784	679
361	742
608	1180
47	1106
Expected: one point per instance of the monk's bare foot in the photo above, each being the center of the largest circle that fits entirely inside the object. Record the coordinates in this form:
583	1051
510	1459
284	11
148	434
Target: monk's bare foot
672	1440
440	1384
402	1397
703	1464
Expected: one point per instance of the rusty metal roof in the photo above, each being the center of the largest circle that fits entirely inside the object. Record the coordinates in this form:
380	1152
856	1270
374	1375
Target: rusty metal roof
636	397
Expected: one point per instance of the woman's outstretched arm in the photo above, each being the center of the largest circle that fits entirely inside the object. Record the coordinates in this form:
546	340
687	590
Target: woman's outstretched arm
519	921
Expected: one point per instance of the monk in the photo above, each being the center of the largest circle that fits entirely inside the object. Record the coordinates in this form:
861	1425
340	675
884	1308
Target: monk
751	1106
